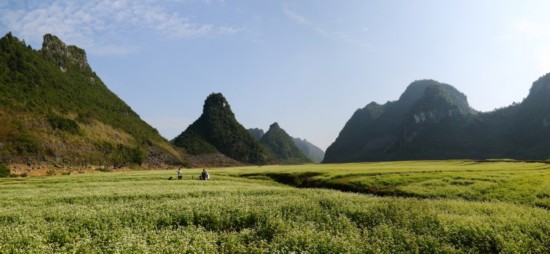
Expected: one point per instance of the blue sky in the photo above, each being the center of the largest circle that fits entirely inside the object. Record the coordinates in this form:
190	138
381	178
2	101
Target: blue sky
307	65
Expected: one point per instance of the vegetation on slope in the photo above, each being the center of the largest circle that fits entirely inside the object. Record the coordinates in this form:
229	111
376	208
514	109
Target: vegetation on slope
314	153
50	97
256	133
217	130
281	145
4	170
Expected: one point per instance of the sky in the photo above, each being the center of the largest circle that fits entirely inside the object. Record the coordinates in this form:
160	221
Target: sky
306	64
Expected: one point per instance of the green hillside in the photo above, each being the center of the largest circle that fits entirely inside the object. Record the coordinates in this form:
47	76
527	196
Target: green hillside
281	145
55	109
218	131
256	133
314	153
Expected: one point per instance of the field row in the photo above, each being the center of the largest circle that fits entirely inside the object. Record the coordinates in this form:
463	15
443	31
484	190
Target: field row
145	212
511	182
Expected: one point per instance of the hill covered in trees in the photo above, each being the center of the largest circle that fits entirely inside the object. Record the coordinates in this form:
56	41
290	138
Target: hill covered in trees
282	146
218	131
55	109
312	152
432	120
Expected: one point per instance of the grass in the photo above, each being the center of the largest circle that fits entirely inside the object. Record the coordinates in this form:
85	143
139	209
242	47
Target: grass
512	182
243	210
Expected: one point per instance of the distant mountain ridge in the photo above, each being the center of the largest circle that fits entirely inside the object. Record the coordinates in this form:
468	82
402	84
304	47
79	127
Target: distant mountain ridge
432	120
282	146
312	152
54	109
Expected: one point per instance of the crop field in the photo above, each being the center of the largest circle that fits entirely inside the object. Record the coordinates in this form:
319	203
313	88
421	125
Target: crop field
441	206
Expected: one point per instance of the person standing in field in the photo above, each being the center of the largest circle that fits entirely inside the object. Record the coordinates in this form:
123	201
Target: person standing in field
179	174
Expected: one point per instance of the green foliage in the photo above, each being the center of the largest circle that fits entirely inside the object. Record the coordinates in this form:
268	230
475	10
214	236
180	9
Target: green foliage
4	170
26	144
64	124
256	133
218	130
311	151
15	138
106	212
282	146
194	143
59	79
121	155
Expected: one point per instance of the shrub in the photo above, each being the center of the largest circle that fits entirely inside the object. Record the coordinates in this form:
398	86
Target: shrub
121	155
64	124
4	170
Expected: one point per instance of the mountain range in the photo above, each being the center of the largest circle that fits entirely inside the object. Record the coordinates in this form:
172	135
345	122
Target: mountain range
218	131
218	134
432	120
55	110
282	146
312	152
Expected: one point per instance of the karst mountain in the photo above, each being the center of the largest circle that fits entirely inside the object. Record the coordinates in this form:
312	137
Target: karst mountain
218	131
432	120
55	110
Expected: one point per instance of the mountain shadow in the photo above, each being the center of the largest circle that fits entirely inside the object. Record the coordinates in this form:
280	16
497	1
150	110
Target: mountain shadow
432	120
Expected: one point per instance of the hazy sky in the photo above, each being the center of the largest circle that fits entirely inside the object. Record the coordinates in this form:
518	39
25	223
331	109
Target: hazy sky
307	65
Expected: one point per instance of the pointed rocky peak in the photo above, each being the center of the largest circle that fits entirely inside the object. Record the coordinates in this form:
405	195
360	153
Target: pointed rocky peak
274	126
65	56
282	145
217	130
275	131
216	103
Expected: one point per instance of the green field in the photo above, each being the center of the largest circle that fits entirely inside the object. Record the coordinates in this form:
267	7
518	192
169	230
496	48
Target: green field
447	207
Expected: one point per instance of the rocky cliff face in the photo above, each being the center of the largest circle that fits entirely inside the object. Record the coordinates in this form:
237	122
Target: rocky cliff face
64	56
432	120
